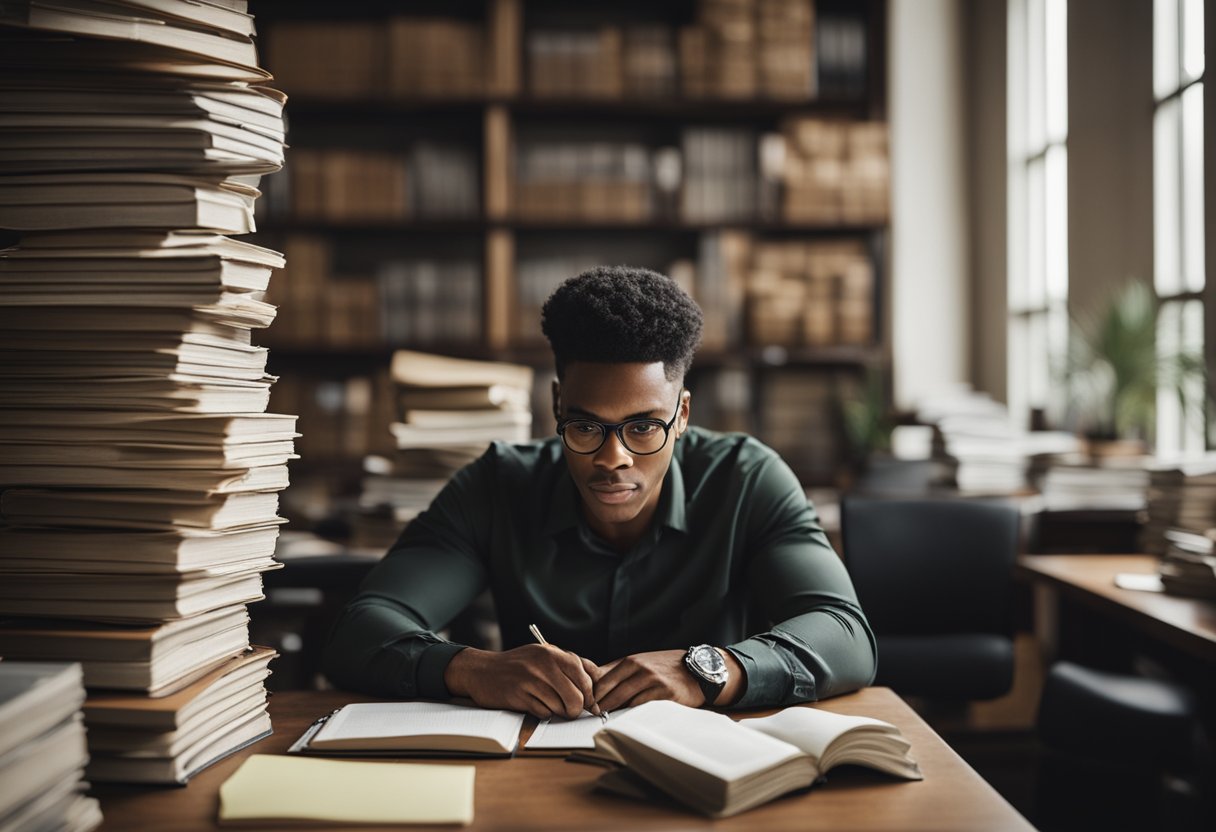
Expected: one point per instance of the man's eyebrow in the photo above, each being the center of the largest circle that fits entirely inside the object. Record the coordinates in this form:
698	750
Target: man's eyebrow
644	414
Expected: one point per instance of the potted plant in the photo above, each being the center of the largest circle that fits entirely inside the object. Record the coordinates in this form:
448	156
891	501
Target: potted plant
1114	369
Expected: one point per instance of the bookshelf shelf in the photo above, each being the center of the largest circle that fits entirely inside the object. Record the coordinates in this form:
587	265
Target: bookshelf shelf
668	168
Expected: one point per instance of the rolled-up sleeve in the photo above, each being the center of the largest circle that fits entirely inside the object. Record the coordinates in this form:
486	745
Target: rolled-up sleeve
385	642
819	643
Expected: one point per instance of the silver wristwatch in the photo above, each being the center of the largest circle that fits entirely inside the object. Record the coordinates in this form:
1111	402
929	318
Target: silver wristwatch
708	667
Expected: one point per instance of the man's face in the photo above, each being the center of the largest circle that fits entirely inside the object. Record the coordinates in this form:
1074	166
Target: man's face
620	489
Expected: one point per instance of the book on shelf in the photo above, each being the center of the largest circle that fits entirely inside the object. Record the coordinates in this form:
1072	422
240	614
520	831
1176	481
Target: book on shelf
155	660
42	748
721	767
434	728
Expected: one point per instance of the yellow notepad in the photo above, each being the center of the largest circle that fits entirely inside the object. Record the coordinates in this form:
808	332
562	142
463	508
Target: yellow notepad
271	788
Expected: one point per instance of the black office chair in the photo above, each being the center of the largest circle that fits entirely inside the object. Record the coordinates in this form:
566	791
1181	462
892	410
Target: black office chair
935	581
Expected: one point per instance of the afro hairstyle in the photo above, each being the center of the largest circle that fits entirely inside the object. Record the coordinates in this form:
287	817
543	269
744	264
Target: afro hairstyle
622	314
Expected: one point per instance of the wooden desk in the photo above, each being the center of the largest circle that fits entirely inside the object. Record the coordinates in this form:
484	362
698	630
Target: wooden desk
1186	624
542	793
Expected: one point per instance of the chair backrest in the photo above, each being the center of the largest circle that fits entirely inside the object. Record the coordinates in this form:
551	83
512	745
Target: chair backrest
928	567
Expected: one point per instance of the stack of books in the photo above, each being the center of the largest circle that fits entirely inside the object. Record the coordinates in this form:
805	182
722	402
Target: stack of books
748	49
139	467
1070	484
980	449
835	171
1189	564
449	410
810	294
42	749
1182	497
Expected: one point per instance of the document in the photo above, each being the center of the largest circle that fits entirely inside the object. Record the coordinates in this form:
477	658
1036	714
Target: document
554	734
346	792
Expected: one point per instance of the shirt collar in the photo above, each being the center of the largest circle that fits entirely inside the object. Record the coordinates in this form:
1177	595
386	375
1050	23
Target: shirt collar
564	509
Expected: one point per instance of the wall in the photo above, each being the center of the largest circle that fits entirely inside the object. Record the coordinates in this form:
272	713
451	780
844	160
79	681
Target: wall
1110	150
930	300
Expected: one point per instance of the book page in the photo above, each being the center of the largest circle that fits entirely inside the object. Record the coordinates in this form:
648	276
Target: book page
383	720
709	741
346	792
832	739
571	733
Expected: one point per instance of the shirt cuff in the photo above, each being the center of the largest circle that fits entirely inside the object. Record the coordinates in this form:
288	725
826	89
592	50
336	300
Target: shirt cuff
770	681
430	669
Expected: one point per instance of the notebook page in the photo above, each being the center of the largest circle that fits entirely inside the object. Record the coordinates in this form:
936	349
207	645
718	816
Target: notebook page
570	733
378	720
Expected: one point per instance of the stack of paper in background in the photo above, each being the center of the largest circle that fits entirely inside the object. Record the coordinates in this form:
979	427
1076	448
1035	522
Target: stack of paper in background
140	473
1181	496
976	437
42	749
449	409
1070	484
1189	564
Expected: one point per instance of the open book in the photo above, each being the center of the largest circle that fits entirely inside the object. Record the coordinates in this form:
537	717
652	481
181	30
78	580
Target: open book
424	728
721	767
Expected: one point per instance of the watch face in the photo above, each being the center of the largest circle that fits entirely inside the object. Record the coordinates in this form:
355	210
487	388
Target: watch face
708	660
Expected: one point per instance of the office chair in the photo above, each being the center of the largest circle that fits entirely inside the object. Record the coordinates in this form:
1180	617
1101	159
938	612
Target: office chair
935	581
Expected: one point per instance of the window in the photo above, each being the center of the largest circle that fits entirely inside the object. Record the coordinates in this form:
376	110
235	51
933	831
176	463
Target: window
1178	270
1038	202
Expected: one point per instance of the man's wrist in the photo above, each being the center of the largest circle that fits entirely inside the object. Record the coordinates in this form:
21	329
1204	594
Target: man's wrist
736	680
461	669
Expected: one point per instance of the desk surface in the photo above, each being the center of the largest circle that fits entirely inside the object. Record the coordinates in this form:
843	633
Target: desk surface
540	793
1188	624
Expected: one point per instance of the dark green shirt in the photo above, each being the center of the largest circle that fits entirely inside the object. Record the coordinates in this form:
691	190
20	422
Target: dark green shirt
735	558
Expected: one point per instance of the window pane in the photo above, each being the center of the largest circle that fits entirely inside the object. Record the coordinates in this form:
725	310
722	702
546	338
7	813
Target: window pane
1057	348
1039	380
1167	222
1169	413
1192	47
1036	81
1018	361
1193	431
1036	295
1056	77
1165	47
1055	214
1192	188
1018	216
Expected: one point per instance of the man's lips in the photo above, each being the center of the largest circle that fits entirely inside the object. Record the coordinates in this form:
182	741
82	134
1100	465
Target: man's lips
613	493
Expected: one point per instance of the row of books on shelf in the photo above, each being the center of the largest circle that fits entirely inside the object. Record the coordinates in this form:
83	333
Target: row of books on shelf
401	57
429	180
733	49
817	171
139	469
754	292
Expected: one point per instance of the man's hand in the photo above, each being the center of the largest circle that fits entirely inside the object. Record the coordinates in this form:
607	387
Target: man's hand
542	680
644	677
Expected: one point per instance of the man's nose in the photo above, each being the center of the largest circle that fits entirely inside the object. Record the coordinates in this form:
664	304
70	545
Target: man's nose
613	454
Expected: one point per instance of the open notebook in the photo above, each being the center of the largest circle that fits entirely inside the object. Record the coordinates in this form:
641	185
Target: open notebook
415	728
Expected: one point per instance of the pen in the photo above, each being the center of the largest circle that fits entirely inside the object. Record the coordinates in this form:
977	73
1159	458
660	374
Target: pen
540	639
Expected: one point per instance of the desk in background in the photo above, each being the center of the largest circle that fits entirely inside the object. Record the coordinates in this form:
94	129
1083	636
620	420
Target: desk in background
547	793
1186	625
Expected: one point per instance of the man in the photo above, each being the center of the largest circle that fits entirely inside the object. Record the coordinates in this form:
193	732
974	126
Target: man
661	561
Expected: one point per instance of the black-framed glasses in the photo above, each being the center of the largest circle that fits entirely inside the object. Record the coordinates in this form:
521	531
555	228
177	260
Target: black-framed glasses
639	436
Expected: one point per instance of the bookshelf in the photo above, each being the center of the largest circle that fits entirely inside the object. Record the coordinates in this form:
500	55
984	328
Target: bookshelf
451	162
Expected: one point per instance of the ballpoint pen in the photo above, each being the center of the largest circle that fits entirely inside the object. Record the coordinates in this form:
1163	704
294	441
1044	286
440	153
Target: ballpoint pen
540	639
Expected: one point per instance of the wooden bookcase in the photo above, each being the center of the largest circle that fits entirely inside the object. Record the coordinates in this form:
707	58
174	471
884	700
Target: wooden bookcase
449	158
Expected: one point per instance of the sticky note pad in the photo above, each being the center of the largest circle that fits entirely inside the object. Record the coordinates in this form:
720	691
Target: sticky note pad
283	789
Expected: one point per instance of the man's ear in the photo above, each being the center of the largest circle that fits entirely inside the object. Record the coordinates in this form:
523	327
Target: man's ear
685	412
556	390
